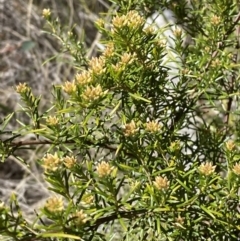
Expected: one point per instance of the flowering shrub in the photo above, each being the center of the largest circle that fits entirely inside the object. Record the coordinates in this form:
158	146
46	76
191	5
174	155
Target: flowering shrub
139	149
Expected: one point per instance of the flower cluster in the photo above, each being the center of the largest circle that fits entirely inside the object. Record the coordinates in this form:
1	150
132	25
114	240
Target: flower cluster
206	168
109	50
230	145
175	146
126	59
104	169
236	169
177	32
84	77
22	88
52	120
132	20
149	30
92	93
80	217
54	204
216	62
69	87
100	23
97	65
215	20
46	12
161	183
51	162
87	199
152	126
130	129
69	161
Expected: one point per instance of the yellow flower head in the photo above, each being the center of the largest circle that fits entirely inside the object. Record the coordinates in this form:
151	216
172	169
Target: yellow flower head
216	63
92	93
236	169
22	88
153	126
119	21
46	12
54	204
150	30
109	51
127	58
215	20
97	65
69	87
52	120
230	145
104	169
69	162
84	77
87	199
130	129
51	162
132	19
80	217
161	183
175	146
177	32
206	168
100	23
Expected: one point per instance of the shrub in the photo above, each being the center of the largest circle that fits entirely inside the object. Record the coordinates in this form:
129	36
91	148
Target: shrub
144	142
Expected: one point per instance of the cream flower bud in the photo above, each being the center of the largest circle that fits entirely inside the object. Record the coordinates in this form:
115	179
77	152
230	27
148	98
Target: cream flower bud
130	129
109	51
54	204
177	32
80	217
22	88
152	126
92	93
46	12
100	23
175	146
51	162
206	168
236	169
104	169
52	120
69	162
69	87
84	77
215	20
97	65
161	183
230	145
87	199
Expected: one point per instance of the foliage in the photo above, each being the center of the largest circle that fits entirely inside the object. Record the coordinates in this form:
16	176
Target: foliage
144	142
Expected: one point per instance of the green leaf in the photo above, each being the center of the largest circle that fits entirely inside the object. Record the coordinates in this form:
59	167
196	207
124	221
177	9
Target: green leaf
6	121
123	224
209	212
115	108
184	185
59	235
138	97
